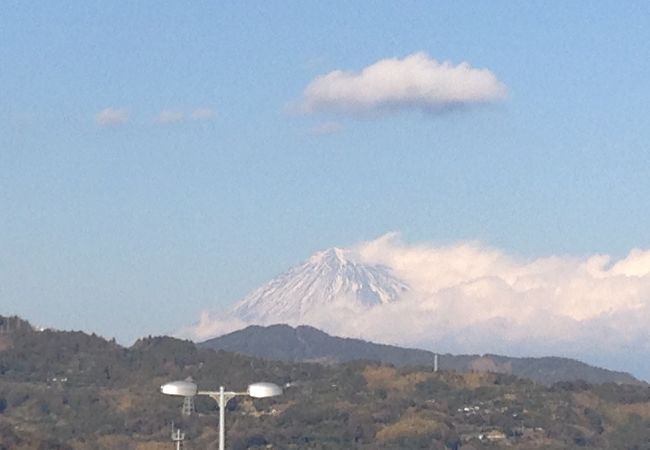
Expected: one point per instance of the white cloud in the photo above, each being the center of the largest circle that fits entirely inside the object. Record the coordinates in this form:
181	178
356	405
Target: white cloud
111	116
175	116
414	82
210	325
470	298
202	114
170	116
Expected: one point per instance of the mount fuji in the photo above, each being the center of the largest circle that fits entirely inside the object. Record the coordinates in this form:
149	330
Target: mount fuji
330	279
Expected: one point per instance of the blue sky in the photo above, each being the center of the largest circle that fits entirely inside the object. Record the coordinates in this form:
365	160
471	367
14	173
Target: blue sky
134	228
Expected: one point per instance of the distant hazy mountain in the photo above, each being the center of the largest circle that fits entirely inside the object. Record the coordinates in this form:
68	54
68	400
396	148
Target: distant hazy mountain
331	277
304	344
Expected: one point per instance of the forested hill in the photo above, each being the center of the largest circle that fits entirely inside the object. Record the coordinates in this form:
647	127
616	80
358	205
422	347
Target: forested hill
70	390
305	344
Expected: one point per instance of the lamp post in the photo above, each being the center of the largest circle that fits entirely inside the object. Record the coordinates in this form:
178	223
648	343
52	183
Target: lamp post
189	389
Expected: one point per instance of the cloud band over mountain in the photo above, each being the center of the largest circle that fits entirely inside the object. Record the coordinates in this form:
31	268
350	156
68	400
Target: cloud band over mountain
475	299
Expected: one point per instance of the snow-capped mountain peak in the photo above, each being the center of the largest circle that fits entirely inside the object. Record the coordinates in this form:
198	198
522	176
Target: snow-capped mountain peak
328	279
331	256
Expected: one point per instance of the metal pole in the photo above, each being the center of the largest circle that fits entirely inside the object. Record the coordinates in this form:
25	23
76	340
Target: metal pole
222	419
255	390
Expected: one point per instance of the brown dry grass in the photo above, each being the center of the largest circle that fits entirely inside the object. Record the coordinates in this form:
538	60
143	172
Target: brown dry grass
620	412
120	399
5	343
389	378
153	446
408	425
586	399
475	380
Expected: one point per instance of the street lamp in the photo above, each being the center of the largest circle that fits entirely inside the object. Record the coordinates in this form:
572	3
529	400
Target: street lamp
187	388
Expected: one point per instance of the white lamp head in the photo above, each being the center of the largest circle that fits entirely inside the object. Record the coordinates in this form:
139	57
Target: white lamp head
264	390
180	388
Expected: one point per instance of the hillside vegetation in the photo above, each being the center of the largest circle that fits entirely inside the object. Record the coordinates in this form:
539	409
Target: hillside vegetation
70	390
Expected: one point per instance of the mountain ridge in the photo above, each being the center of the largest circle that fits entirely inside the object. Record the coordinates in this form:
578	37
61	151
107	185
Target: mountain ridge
308	344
